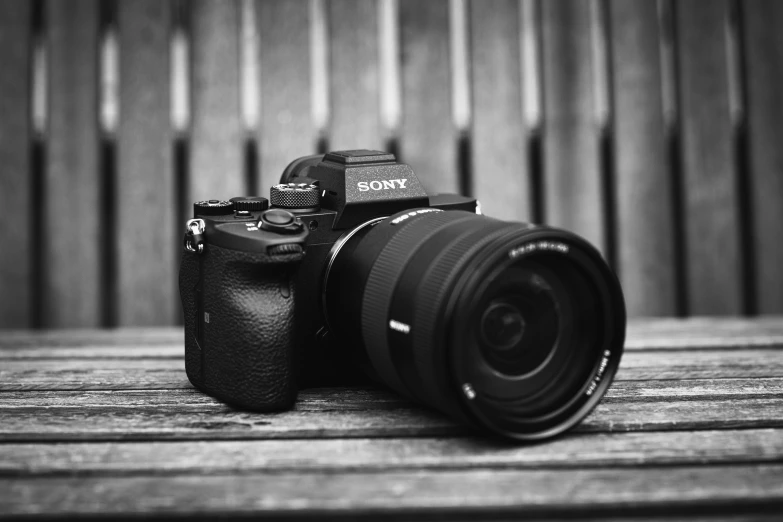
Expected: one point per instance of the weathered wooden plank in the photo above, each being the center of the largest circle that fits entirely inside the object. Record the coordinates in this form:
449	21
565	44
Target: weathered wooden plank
220	422
428	138
364	398
711	205
332	418
168	372
85	374
127	351
658	334
408	493
313	399
216	166
146	200
645	227
16	233
573	191
501	180
353	75
763	81
73	266
570	451
670	389
701	364
701	332
84	338
286	129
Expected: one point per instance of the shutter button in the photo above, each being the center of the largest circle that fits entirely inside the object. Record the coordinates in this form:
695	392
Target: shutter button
281	221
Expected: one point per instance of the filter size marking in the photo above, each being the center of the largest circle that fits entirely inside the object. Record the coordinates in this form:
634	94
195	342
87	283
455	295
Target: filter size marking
540	245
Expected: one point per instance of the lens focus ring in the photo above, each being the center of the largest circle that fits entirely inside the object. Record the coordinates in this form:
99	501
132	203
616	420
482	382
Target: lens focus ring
382	281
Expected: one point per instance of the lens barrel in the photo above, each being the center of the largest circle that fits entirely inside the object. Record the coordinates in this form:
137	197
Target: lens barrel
515	328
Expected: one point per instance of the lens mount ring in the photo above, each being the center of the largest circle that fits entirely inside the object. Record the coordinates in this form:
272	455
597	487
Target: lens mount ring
333	253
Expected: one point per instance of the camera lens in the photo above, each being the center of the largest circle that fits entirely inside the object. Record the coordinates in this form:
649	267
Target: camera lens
515	328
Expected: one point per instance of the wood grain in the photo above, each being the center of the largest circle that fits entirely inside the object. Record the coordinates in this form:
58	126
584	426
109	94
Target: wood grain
713	262
106	374
644	196
763	82
643	334
145	196
85	339
571	451
286	129
428	138
340	414
707	331
72	262
372	493
167	370
686	429
216	166
353	75
16	234
366	398
573	191
501	178
129	351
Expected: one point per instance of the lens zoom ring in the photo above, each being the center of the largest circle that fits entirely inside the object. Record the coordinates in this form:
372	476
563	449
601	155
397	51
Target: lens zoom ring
429	301
382	280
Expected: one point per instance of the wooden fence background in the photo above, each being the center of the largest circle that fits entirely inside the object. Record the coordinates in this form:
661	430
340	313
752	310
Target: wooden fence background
652	128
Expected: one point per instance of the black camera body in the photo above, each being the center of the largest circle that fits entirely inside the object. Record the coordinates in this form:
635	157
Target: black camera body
251	276
352	271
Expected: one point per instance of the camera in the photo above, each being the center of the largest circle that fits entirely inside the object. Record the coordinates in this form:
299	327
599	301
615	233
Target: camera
350	270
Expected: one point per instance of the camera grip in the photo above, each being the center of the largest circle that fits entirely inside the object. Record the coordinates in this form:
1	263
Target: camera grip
239	326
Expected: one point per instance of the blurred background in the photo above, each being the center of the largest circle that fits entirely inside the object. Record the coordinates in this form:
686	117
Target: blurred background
650	127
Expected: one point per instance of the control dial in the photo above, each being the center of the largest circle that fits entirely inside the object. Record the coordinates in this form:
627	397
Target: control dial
213	207
295	196
250	204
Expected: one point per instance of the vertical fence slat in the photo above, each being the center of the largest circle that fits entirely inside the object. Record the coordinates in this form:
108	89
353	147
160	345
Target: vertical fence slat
145	200
711	203
353	75
72	254
572	174
286	126
764	68
643	176
499	154
427	135
216	166
15	233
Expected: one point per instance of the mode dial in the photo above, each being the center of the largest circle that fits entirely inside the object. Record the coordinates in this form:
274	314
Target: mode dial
213	207
295	196
251	204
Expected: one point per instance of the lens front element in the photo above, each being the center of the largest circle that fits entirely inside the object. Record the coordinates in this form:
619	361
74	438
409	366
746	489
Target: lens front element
502	327
518	330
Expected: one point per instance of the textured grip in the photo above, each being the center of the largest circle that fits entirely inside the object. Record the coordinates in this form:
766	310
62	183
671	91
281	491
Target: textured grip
246	354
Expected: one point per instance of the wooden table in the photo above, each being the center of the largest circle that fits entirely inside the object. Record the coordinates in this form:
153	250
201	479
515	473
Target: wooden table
105	422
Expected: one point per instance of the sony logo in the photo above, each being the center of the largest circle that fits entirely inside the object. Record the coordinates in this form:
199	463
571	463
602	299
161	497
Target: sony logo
386	184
